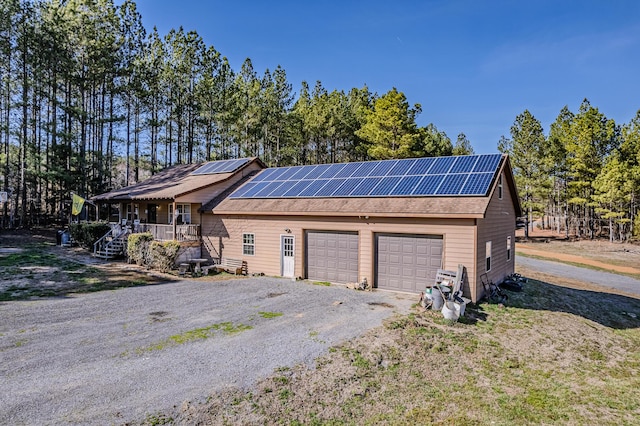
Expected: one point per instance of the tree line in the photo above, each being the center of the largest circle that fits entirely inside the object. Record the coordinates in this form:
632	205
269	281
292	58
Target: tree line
91	101
583	177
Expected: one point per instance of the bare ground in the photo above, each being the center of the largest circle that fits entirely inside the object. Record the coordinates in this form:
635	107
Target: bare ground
561	352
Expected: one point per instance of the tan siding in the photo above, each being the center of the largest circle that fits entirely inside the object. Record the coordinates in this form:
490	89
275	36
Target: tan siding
499	223
457	234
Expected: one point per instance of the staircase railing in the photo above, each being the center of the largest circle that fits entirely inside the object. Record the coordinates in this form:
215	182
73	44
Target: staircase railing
103	243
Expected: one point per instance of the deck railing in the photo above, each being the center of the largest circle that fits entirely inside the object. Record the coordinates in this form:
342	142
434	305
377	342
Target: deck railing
165	232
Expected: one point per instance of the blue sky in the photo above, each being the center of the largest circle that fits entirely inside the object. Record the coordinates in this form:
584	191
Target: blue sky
473	65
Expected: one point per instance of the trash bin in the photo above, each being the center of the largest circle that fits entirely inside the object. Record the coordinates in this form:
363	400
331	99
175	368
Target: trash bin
59	237
65	238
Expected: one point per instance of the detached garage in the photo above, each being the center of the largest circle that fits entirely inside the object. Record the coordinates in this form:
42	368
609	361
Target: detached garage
392	222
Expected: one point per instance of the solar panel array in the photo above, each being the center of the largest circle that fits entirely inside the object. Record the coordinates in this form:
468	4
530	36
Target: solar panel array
435	176
220	166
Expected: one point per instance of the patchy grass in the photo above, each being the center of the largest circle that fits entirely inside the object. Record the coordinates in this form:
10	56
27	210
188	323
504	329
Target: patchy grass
270	314
324	283
202	333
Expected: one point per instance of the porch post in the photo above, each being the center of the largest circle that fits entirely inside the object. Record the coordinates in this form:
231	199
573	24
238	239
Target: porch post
174	221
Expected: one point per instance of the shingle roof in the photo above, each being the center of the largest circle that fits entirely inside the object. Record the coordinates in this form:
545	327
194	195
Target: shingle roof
472	207
168	184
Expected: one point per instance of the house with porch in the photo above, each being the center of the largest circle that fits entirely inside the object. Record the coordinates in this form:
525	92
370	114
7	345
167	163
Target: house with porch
167	204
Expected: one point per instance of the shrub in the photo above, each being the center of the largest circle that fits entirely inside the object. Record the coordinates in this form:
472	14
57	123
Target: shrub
138	248
163	255
86	234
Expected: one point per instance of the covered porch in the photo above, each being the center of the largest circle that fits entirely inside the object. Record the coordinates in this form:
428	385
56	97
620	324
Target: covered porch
166	221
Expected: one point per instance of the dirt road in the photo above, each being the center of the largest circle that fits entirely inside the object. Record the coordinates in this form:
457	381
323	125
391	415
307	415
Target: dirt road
606	280
564	257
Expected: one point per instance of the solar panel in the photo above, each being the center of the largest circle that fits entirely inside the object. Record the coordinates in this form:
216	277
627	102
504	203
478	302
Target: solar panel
297	188
464	164
385	185
239	193
365	187
263	175
428	185
402	167
487	163
346	188
268	189
406	185
469	175
313	187
302	172
330	187
421	166
259	186
277	174
348	170
317	171
365	169
331	171
383	168
478	184
220	166
452	184
442	165
290	172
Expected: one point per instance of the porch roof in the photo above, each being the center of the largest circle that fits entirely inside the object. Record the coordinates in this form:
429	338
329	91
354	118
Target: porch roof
168	184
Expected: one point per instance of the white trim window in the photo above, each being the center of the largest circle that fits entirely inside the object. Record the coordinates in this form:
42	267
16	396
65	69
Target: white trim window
500	187
508	249
488	255
248	244
133	211
182	214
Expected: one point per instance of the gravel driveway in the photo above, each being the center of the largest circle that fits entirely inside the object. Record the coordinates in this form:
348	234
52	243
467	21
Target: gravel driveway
604	279
110	358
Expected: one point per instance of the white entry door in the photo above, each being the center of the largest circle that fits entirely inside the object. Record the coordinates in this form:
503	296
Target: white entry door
287	245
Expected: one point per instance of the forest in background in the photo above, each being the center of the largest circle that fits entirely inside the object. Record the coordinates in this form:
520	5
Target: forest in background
91	101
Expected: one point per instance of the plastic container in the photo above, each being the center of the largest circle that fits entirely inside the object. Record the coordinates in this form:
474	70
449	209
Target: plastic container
451	311
65	238
463	305
437	299
427	298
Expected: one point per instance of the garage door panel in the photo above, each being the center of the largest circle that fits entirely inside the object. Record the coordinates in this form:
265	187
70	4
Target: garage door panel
407	262
336	261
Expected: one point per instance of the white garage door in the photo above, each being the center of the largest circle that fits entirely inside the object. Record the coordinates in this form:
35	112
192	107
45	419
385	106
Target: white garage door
407	262
332	256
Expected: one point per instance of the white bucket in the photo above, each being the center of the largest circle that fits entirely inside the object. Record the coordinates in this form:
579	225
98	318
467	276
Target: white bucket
451	311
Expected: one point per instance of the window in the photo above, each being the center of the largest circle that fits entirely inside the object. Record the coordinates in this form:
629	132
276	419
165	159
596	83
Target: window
488	254
248	244
508	248
500	187
182	214
132	212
